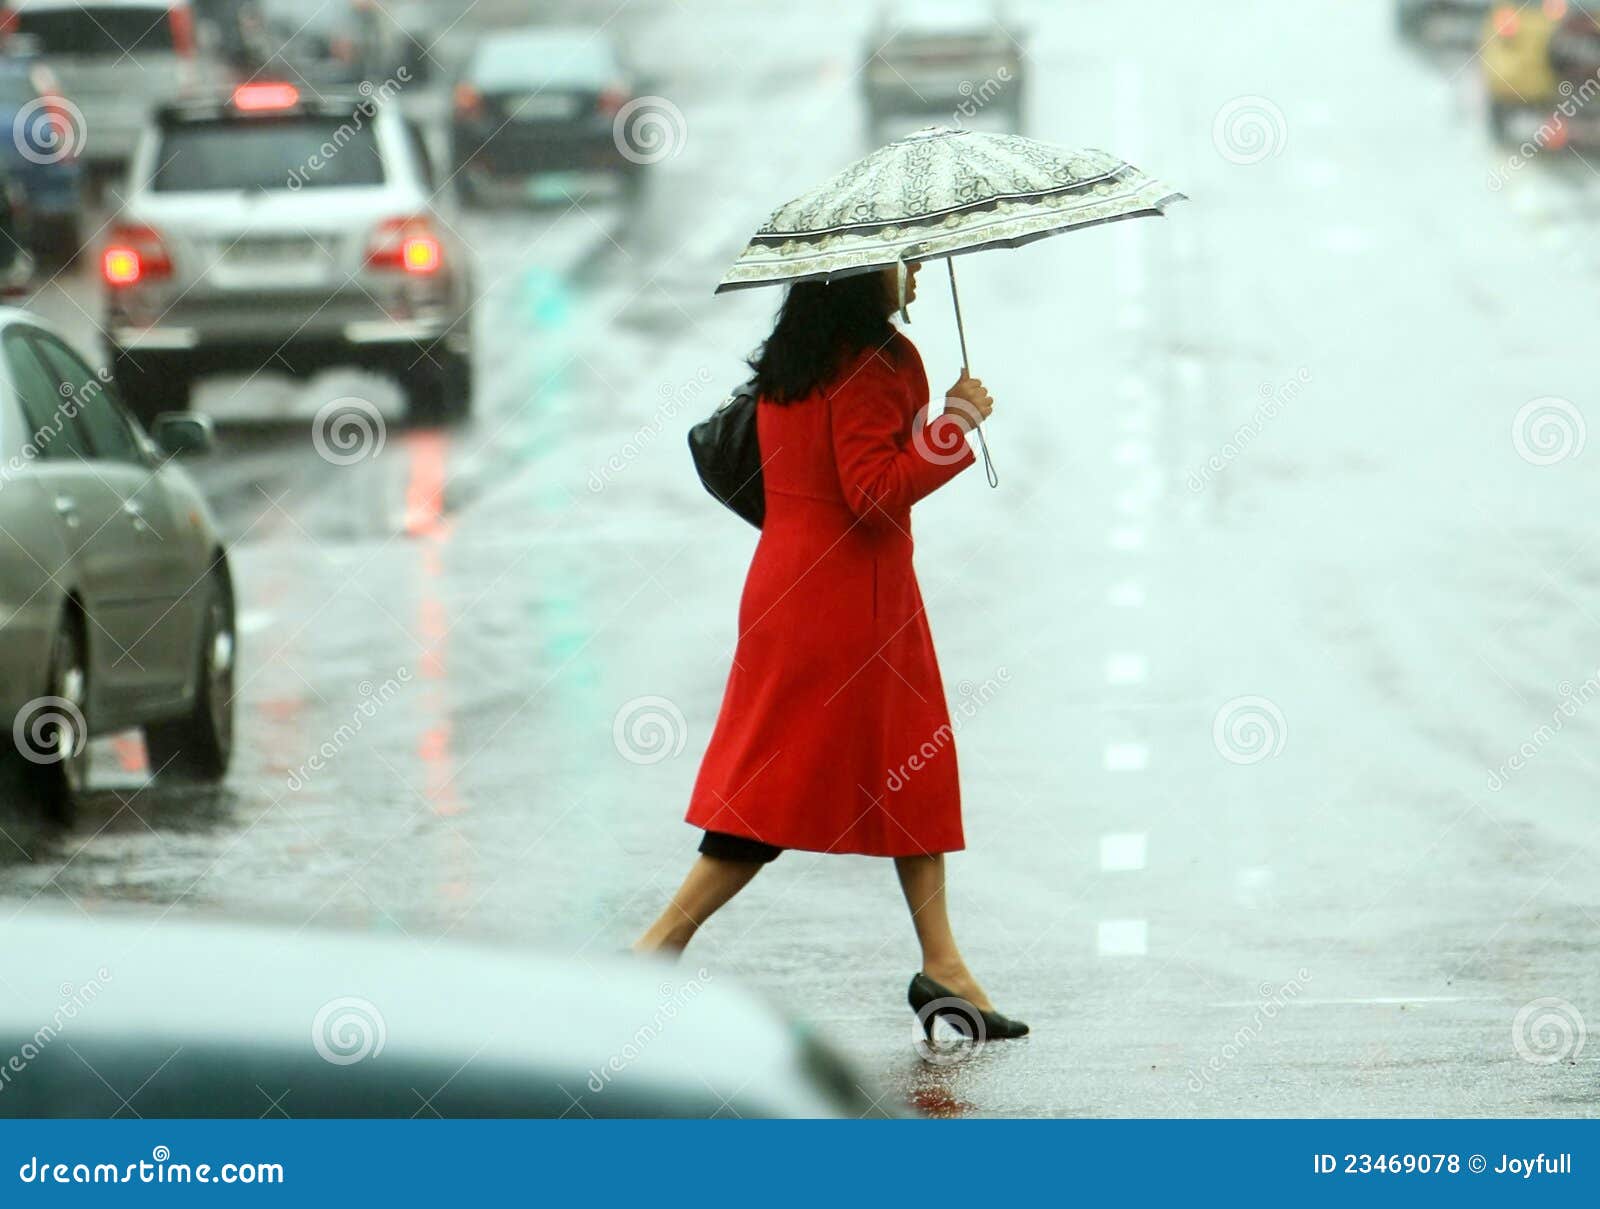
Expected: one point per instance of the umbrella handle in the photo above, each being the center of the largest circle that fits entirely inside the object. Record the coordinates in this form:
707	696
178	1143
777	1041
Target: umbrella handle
961	331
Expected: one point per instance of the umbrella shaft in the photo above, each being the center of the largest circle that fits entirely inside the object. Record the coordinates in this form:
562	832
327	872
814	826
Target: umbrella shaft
966	368
955	297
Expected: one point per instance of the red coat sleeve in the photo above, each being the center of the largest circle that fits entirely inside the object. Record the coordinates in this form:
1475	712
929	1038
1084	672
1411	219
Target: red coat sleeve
880	467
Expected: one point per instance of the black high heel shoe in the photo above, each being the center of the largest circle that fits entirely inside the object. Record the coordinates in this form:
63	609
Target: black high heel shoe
961	1014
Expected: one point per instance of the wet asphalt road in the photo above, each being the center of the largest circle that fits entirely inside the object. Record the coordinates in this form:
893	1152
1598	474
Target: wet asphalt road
1234	709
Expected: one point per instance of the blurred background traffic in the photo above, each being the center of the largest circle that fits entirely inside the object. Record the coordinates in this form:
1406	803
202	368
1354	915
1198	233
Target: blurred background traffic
365	582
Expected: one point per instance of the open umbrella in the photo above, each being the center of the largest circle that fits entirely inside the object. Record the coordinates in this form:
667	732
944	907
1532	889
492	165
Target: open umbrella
942	191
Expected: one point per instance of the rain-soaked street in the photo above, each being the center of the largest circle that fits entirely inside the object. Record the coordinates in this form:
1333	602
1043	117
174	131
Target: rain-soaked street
1270	656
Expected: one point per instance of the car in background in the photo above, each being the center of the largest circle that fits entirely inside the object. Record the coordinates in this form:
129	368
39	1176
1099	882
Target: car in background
944	60
211	1019
117	60
1445	22
341	43
41	156
115	592
16	261
541	101
1518	57
269	229
1575	61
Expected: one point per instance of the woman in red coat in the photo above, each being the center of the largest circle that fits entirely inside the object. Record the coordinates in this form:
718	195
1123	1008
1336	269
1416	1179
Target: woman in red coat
833	734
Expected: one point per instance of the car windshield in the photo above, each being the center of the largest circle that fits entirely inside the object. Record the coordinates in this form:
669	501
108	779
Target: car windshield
536	60
311	152
99	31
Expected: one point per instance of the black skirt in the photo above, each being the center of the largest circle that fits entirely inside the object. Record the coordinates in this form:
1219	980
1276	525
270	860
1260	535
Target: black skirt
725	847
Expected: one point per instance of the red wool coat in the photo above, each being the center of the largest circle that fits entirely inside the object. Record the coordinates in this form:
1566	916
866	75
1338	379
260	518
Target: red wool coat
833	734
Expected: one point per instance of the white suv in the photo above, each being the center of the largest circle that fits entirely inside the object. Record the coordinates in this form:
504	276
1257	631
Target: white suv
271	230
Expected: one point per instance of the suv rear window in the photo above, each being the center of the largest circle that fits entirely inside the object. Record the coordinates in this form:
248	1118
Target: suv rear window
315	152
100	31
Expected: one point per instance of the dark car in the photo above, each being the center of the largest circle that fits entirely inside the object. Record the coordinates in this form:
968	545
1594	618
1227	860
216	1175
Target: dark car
531	102
116	602
41	156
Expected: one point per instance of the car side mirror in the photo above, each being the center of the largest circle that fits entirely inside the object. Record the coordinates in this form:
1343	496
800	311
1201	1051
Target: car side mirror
183	434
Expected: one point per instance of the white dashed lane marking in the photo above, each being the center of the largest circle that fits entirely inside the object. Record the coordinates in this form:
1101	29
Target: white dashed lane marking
1126	757
1126	667
1122	852
1122	938
1125	595
1126	537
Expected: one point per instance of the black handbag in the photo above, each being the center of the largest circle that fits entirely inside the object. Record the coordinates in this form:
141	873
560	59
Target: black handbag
727	455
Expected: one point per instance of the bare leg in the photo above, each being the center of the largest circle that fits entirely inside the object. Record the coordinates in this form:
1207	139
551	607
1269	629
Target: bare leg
922	880
710	884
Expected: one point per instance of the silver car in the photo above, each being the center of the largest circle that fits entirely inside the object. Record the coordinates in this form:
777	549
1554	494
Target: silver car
116	602
272	229
117	60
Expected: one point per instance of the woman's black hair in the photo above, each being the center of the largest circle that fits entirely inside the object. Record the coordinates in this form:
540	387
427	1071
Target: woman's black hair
821	326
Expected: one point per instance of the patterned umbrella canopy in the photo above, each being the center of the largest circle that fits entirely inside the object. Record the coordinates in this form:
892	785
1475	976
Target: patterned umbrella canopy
938	192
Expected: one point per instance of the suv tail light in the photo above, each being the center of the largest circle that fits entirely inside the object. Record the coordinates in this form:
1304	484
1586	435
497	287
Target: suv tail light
181	18
134	253
407	245
1506	21
468	101
612	99
257	97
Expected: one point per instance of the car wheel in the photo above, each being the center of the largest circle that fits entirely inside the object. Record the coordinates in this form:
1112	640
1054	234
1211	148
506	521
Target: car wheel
51	732
199	745
438	388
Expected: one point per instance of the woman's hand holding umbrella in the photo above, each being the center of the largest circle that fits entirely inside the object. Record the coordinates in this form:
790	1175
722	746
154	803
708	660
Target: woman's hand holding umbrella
967	402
